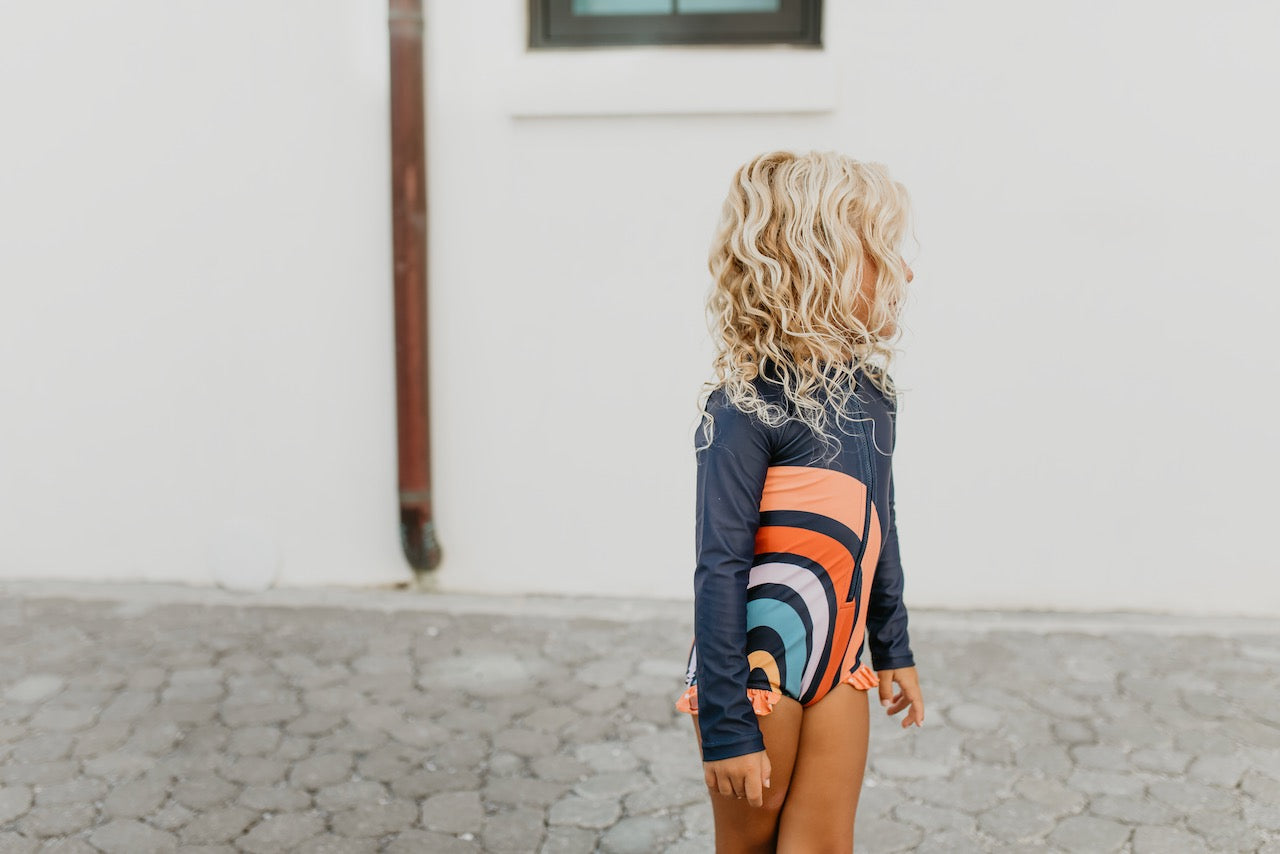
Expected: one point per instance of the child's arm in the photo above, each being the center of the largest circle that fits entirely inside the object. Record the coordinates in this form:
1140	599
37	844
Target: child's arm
731	474
886	612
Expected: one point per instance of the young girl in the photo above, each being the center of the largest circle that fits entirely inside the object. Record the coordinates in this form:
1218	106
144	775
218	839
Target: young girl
797	545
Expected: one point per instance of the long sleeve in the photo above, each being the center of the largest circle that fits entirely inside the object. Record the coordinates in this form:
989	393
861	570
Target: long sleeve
730	481
886	612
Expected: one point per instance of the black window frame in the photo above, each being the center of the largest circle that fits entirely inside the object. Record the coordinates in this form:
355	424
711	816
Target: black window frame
552	24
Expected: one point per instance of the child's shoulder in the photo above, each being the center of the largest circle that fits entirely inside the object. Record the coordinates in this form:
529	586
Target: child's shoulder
731	420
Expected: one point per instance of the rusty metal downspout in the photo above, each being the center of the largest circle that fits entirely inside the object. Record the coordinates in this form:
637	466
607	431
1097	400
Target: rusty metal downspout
409	251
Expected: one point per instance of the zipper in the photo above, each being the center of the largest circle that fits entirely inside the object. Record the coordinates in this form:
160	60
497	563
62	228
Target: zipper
856	583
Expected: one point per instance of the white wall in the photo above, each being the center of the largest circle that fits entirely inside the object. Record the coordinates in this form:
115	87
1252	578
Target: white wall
197	316
1088	371
195	340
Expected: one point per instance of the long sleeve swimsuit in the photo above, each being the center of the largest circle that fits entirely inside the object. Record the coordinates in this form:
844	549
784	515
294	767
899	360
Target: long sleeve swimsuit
797	563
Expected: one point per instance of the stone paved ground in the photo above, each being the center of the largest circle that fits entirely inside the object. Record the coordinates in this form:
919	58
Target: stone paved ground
134	727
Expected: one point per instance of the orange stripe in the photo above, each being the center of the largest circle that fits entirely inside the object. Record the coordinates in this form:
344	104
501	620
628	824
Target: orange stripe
827	552
869	561
816	490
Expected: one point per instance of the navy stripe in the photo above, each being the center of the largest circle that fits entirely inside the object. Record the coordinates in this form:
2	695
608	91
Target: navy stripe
816	522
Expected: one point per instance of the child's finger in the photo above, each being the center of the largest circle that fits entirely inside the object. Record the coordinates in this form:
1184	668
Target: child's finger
886	691
754	790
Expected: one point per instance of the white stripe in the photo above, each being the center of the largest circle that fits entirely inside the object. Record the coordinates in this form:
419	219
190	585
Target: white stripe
810	590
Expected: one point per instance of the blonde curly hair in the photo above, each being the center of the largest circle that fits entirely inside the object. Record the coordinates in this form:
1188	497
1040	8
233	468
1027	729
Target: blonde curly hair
788	263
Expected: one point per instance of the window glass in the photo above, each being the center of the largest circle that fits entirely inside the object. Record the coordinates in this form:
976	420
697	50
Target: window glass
623	7
705	6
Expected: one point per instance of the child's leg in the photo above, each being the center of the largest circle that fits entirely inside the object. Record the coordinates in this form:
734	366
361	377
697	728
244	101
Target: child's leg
827	780
740	827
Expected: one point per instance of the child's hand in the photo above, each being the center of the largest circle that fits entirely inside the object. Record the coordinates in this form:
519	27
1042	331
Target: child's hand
739	776
909	697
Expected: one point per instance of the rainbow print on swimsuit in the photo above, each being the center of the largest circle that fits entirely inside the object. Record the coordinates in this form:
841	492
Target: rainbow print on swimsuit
806	593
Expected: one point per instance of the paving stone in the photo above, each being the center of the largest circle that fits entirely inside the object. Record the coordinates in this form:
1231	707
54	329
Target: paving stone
375	819
1132	810
423	783
15	843
69	845
988	748
885	836
34	688
136	798
319	771
256	770
908	767
1264	815
526	742
611	785
1188	796
14	802
42	748
1103	757
578	840
171	816
607	756
327	843
1225	830
204	792
125	836
1161	761
934	819
504	764
560	769
254	741
1218	770
1016	820
524	791
218	825
1167	840
1089	835
551	719
518	829
57	820
386	764
81	790
1056	797
1105	782
418	841
639	835
597	813
38	773
1261	786
453	812
462	752
665	796
314	723
283	832
971	716
347	795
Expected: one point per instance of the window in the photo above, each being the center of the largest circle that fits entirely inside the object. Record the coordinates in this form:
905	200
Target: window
579	23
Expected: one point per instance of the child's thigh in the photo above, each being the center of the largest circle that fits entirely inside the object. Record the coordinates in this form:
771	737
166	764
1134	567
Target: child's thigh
740	827
827	780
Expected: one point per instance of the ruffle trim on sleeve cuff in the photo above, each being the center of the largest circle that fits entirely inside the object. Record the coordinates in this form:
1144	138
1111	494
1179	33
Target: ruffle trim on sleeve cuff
762	700
864	678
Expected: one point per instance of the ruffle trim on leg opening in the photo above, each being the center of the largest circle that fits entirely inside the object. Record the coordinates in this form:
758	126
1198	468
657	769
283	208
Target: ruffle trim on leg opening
762	700
864	678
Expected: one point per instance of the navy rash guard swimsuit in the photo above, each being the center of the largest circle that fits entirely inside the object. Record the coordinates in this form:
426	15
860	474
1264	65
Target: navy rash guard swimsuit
806	548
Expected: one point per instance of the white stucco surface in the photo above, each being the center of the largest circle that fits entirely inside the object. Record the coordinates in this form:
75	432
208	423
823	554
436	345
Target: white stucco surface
196	352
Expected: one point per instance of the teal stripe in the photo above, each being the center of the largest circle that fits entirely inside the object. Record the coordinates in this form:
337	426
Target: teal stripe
780	617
